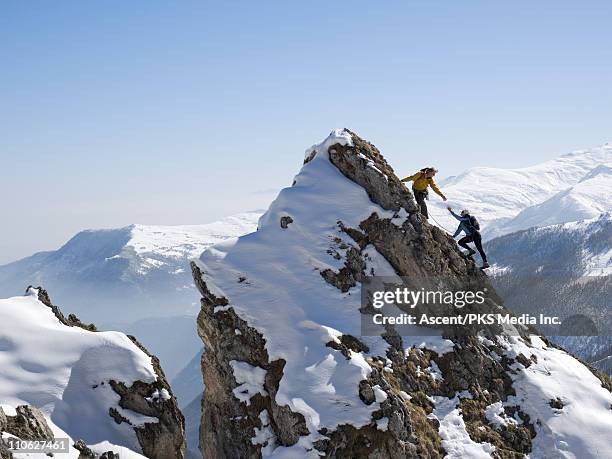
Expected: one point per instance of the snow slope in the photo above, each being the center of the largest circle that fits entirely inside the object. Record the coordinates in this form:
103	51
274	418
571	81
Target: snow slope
272	281
497	195
582	427
64	371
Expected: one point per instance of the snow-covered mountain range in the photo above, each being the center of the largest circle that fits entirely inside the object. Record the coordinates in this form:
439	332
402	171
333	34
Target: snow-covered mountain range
574	186
288	373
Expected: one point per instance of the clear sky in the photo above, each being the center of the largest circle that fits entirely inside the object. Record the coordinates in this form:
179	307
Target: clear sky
176	112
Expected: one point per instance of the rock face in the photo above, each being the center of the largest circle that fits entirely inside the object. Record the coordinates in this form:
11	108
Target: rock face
414	398
27	424
163	439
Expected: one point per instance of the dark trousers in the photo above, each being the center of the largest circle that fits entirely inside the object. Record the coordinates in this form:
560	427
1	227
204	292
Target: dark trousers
477	240
420	197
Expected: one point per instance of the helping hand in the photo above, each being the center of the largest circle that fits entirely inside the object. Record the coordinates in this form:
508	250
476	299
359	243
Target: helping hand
449	207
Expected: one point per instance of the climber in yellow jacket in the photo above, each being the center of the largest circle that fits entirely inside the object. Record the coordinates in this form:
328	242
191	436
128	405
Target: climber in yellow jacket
422	180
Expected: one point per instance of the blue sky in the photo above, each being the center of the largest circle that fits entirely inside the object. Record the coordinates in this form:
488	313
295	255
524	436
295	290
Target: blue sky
181	112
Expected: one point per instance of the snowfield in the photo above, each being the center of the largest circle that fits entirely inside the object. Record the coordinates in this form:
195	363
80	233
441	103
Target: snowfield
161	243
64	371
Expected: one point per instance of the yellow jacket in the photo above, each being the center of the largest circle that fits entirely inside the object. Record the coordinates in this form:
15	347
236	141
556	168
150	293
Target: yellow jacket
421	183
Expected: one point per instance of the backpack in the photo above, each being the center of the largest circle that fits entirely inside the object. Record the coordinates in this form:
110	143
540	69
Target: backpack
474	223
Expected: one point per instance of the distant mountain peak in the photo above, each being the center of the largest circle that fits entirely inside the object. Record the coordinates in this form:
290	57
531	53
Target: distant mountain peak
147	266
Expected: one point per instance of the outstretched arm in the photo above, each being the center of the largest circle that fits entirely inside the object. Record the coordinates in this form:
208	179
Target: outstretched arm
411	177
436	189
458	217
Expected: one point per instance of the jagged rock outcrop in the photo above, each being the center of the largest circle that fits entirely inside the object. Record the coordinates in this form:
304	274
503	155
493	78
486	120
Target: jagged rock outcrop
163	439
28	423
228	338
412	395
4	451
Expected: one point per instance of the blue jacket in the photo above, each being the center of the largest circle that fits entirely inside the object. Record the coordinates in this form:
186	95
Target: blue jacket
464	225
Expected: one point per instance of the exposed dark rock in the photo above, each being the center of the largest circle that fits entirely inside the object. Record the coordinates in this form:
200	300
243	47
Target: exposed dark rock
110	455
285	221
3	421
368	442
386	191
162	439
5	453
348	343
28	424
71	321
510	441
556	403
359	237
350	274
118	417
366	393
84	451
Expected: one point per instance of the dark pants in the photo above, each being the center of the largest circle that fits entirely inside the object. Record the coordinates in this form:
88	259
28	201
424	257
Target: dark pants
477	240
420	197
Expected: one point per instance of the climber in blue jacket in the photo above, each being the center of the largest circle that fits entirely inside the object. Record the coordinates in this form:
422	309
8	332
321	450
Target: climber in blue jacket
470	226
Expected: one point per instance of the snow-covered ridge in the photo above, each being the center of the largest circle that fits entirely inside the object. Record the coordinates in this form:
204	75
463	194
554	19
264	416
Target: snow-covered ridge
289	303
135	279
188	241
148	247
67	372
